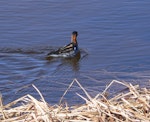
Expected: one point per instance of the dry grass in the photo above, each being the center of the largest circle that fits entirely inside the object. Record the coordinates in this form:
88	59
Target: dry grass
131	106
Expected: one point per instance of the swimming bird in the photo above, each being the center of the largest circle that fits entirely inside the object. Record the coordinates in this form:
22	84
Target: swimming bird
69	50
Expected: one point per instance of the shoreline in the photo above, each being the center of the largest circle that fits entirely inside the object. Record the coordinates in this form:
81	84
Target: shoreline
131	105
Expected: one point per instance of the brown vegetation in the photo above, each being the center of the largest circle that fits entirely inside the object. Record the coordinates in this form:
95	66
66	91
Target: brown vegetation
130	106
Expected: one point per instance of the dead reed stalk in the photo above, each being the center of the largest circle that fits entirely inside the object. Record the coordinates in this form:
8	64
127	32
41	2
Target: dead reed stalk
130	106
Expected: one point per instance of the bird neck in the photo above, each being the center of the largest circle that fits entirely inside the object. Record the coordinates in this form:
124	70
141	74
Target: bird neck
74	39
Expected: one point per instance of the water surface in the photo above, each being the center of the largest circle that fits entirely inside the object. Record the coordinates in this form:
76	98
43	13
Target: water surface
114	34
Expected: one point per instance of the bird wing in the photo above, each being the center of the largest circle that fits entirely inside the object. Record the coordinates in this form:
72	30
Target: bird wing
67	48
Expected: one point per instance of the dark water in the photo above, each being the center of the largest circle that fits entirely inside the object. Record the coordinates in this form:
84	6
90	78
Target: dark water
115	35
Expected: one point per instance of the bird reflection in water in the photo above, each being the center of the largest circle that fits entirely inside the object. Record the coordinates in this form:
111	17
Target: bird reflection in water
71	61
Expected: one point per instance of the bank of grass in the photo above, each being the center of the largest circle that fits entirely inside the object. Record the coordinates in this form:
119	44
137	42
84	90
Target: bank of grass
130	106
